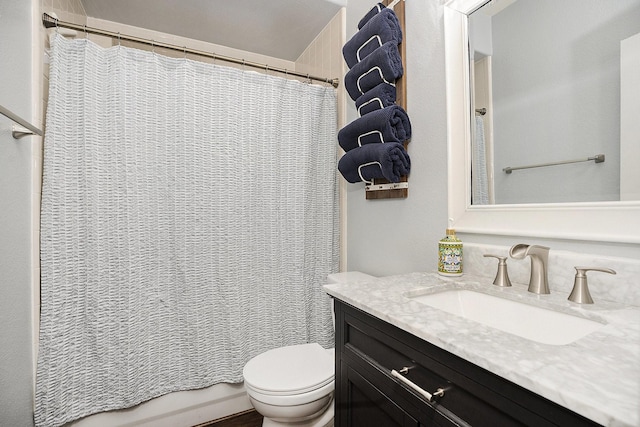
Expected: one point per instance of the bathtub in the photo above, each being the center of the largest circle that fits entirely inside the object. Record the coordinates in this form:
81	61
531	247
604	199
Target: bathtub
179	409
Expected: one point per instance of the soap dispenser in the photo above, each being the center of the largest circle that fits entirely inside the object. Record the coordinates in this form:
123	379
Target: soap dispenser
450	254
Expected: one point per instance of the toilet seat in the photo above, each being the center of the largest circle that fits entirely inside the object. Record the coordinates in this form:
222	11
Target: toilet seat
290	371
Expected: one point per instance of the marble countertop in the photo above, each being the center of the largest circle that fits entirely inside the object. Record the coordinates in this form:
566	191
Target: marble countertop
597	376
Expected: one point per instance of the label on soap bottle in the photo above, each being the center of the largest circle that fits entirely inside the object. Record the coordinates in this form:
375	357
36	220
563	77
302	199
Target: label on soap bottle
450	255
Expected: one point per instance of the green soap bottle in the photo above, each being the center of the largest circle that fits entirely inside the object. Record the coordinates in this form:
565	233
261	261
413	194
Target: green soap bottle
450	254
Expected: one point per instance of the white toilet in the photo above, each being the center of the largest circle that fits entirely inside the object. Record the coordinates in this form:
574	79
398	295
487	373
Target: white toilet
294	385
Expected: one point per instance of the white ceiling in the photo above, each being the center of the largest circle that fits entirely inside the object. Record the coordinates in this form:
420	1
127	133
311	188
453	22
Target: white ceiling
277	28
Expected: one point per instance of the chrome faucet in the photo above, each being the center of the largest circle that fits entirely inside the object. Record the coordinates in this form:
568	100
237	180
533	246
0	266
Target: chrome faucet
538	282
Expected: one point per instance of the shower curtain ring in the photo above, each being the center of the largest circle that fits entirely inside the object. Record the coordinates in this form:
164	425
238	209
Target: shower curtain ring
243	65
86	34
118	38
184	49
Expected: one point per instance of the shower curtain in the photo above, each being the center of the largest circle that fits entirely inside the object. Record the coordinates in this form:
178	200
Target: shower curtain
479	173
189	221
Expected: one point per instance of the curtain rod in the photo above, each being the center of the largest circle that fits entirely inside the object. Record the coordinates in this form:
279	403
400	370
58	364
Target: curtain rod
50	22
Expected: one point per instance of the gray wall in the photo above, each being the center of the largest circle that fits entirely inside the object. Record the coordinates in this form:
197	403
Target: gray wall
16	348
401	235
556	95
386	237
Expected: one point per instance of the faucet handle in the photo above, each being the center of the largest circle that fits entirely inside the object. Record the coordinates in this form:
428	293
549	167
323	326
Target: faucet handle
580	292
502	277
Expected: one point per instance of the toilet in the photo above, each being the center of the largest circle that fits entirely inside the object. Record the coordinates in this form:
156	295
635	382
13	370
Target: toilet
294	385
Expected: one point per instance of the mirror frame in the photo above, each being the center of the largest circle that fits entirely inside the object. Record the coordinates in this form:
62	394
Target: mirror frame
595	221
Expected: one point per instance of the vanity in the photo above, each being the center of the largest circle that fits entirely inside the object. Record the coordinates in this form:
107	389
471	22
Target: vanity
406	355
402	362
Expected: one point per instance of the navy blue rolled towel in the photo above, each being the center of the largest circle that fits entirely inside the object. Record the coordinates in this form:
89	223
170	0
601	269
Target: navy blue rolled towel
374	161
383	27
390	124
373	12
383	65
381	96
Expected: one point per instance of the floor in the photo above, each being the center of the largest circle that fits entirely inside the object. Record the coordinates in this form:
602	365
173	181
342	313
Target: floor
246	419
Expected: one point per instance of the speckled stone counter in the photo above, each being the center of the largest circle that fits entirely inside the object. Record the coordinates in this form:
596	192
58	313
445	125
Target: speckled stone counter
597	376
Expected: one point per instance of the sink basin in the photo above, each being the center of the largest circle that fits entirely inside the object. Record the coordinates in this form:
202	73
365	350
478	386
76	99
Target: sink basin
527	321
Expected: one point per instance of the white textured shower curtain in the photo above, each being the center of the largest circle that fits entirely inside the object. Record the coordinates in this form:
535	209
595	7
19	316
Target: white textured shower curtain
189	220
480	176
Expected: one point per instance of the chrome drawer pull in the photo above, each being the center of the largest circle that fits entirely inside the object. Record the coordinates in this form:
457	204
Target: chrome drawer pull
439	392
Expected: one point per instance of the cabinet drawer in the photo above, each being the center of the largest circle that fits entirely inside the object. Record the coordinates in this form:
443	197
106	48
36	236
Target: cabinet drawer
384	393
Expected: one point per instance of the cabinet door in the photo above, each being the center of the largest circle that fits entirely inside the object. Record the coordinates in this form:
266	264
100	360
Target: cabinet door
364	405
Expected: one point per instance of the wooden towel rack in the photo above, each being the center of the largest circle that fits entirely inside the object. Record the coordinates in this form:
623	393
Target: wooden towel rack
381	188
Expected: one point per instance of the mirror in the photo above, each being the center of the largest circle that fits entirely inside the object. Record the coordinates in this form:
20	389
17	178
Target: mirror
546	83
609	221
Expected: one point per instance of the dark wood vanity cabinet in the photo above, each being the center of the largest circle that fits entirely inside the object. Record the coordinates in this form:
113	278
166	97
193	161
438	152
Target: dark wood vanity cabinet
367	395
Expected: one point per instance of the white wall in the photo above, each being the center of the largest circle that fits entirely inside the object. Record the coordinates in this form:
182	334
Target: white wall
401	235
18	227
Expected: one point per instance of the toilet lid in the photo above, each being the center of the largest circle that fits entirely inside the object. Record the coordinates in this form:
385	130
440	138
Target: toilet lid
290	370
